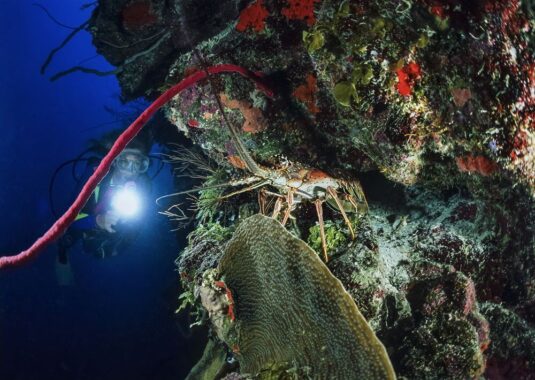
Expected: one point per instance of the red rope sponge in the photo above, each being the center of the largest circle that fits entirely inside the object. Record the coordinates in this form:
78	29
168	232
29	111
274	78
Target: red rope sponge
61	225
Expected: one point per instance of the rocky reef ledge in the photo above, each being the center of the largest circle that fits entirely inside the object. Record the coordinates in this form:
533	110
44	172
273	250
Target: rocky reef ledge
397	146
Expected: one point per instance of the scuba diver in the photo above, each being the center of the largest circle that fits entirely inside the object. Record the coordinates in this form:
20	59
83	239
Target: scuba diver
112	217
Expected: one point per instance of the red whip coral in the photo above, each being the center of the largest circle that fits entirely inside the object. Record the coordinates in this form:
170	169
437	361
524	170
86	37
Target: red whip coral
300	10
406	78
61	225
138	15
306	93
254	16
476	164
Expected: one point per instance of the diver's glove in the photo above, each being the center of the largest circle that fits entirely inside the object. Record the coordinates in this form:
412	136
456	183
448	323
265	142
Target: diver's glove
108	220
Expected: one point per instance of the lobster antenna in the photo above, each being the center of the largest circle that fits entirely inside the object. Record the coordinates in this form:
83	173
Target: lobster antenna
250	163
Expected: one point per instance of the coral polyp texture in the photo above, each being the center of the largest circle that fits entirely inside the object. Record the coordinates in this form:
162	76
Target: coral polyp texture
428	103
423	79
291	312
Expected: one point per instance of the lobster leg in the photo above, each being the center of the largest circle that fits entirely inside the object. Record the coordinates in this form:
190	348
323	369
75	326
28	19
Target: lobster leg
333	194
290	203
277	208
262	201
353	202
355	195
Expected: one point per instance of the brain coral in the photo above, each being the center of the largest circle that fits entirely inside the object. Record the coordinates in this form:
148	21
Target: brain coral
292	314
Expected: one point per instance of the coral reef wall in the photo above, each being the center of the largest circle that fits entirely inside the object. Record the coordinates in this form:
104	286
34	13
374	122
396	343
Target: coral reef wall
429	104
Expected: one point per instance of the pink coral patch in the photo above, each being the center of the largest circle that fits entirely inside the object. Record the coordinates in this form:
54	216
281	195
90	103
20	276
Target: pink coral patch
406	78
300	10
254	16
476	164
438	10
138	15
254	120
307	93
228	293
461	96
403	86
193	123
520	145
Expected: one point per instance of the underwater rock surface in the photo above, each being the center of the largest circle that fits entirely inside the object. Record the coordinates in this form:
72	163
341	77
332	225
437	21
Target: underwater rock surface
428	103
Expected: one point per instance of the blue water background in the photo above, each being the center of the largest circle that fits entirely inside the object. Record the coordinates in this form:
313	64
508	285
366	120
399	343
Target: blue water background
117	321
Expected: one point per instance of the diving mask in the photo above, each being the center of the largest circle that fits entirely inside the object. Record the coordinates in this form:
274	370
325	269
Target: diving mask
132	161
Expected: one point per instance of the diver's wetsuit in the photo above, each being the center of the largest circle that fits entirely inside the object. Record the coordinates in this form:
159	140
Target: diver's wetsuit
96	240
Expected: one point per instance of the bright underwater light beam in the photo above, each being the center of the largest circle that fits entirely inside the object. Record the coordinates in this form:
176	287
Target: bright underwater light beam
127	202
60	226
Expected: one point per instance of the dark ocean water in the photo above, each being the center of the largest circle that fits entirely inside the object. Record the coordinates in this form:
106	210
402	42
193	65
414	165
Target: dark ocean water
117	320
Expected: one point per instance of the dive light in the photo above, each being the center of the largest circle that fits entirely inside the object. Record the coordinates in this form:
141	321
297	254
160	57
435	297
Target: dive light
126	201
